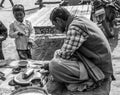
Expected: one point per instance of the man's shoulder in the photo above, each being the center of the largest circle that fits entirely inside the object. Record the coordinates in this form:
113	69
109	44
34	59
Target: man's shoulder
78	20
76	24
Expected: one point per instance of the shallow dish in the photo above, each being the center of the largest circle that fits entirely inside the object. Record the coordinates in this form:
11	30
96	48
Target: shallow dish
23	63
19	79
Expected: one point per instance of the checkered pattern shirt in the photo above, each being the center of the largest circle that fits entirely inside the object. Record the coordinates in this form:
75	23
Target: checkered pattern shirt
74	39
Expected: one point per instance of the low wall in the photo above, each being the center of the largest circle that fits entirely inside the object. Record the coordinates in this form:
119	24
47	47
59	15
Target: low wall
46	46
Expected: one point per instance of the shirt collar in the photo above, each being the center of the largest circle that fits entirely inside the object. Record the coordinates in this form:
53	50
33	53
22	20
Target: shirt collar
20	22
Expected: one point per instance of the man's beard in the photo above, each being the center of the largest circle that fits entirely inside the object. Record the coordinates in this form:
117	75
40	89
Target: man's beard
62	29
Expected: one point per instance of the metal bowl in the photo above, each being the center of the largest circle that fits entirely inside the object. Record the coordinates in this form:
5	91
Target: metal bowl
23	63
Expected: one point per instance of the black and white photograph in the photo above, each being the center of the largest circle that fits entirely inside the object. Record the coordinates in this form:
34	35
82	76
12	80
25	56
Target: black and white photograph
59	47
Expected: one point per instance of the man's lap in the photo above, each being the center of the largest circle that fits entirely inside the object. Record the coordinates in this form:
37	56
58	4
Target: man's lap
68	71
104	89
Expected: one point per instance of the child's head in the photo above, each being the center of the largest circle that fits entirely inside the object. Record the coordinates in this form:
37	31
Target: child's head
19	12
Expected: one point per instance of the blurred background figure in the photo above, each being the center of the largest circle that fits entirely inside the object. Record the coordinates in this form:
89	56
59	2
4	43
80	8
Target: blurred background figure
3	36
1	4
74	2
63	3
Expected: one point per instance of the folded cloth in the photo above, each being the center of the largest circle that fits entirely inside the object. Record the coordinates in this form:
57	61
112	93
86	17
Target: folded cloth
104	89
93	71
68	71
89	84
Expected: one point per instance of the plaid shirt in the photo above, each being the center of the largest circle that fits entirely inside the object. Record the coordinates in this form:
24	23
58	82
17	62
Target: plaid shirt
74	39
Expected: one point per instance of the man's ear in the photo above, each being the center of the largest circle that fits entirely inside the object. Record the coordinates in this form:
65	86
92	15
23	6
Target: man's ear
58	19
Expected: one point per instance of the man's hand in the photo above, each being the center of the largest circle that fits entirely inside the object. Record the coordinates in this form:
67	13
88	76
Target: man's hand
45	66
20	34
57	53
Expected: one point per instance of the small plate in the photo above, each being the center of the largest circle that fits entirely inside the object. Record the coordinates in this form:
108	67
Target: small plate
19	79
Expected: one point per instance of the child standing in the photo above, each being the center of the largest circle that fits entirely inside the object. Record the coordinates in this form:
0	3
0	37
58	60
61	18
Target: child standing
22	31
3	36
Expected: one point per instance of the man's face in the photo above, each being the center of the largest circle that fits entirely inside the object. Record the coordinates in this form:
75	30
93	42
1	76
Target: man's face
19	16
59	24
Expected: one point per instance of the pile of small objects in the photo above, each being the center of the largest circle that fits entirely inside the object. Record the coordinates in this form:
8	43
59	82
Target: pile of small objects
28	76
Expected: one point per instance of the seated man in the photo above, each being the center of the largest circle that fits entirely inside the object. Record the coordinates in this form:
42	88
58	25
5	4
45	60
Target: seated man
85	44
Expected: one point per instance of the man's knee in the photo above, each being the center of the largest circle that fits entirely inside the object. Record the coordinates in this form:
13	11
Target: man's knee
53	65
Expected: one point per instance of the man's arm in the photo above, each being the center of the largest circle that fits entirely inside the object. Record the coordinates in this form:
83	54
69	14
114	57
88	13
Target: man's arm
74	39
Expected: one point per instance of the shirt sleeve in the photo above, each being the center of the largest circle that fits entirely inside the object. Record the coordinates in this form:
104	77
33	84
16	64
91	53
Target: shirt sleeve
12	32
74	39
32	33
